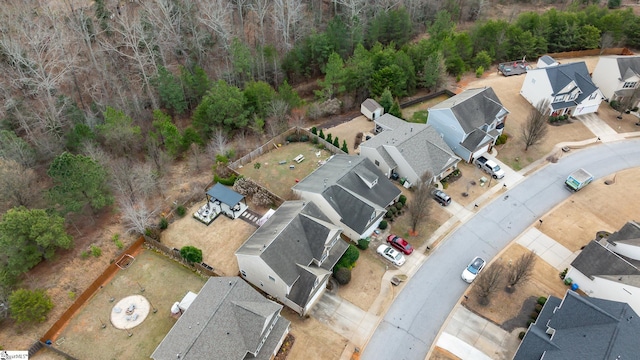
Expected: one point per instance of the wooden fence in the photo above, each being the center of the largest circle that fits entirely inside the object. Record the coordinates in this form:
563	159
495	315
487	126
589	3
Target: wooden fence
173	253
592	52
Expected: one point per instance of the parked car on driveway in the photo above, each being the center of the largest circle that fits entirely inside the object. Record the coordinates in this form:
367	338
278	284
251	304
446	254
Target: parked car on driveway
490	167
441	197
473	269
391	254
400	244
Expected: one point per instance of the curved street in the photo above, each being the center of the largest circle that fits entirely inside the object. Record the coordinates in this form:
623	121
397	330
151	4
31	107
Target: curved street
413	321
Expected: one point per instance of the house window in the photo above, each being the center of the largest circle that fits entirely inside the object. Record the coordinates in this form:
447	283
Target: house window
377	162
244	274
558	98
324	257
316	283
272	278
630	85
593	96
261	283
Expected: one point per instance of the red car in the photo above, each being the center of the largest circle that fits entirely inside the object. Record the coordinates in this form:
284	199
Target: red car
400	244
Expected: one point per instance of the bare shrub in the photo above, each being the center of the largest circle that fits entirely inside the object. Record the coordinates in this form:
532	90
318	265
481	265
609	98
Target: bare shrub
488	282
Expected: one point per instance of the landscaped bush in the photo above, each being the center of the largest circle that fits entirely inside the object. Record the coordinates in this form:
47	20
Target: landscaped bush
363	244
402	199
314	130
393	210
388	214
342	275
96	251
479	71
614	104
521	335
533	315
152	233
542	300
180	210
164	223
349	257
538	308
399	205
383	225
304	138
530	321
226	181
502	139
329	138
191	254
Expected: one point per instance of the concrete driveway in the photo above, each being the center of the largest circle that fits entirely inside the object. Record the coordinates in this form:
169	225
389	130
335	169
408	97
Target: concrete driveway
412	323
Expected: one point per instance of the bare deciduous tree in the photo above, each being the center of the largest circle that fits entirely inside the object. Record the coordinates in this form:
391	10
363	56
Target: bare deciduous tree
419	206
133	181
287	15
217	15
219	144
277	121
136	216
18	185
166	16
520	271
488	282
535	128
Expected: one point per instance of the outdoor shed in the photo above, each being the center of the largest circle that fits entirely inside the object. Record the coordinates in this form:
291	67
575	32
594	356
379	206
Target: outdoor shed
371	109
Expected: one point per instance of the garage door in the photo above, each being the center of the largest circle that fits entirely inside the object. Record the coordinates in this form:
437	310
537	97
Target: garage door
580	110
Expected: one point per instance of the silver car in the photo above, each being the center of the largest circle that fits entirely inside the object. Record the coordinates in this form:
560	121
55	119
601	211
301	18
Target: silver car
391	254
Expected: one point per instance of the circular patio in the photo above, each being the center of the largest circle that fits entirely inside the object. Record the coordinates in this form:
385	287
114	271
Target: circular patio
130	312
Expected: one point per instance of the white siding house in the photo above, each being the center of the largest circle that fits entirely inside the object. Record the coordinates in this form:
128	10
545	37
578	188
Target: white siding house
469	122
568	88
409	150
617	77
291	256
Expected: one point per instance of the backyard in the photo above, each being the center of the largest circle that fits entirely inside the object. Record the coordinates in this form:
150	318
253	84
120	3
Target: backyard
160	280
277	170
218	241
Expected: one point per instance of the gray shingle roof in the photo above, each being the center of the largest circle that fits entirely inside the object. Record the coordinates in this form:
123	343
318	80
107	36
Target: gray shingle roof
389	122
371	105
227	320
420	145
560	76
585	328
475	140
474	108
294	235
628	234
341	182
548	59
598	260
628	66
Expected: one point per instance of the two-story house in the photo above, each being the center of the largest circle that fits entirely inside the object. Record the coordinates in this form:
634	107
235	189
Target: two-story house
567	88
409	150
351	191
469	122
618	77
292	255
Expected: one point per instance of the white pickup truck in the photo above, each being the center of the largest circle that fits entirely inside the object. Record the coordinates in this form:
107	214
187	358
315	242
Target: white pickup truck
490	167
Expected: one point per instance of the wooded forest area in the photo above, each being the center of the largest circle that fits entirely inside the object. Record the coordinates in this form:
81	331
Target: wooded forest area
100	97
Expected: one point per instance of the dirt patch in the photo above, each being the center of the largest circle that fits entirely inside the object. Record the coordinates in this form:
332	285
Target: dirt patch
275	172
218	241
468	183
610	116
164	282
348	130
596	207
442	354
366	278
504	308
313	339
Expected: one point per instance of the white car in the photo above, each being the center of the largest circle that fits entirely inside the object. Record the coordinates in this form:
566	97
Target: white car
391	254
473	269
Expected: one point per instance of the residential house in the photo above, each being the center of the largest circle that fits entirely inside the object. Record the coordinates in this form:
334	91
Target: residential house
610	268
351	191
578	328
291	256
470	122
228	319
567	87
371	109
409	150
618	77
546	61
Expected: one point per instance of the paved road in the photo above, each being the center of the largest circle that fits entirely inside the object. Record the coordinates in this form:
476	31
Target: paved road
414	319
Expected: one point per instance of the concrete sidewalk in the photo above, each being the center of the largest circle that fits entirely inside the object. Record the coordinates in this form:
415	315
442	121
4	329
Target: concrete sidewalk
551	251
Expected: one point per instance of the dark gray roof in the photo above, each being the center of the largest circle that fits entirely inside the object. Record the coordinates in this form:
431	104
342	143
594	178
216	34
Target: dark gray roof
294	235
224	194
562	75
344	181
585	328
548	59
628	234
629	66
598	260
474	108
227	320
476	140
420	145
371	105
